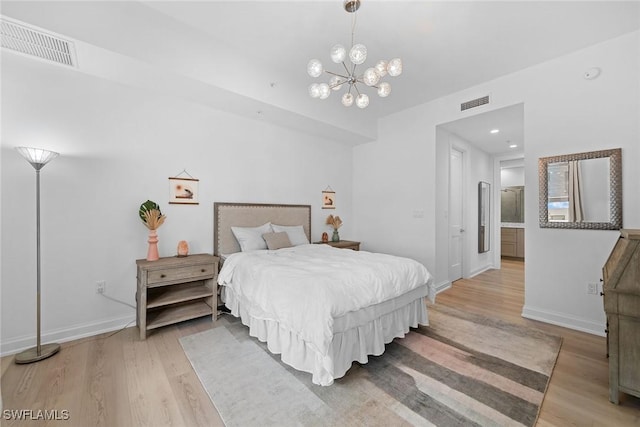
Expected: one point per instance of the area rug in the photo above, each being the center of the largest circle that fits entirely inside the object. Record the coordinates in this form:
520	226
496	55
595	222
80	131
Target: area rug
461	370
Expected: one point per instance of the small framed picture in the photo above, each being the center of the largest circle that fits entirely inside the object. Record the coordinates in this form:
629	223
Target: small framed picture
328	199
183	191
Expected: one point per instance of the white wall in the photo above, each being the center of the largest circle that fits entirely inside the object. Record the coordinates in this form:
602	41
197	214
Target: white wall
117	147
512	176
563	113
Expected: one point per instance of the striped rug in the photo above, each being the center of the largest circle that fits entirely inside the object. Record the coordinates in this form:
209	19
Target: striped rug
461	370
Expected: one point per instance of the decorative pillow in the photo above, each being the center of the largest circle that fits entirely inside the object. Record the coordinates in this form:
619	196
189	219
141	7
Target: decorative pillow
295	233
277	240
250	238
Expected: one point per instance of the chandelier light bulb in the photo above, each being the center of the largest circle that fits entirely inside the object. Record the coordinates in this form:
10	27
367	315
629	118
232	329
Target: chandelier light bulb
394	68
384	89
381	68
335	83
358	54
324	90
347	99
314	90
338	53
371	77
314	68
362	101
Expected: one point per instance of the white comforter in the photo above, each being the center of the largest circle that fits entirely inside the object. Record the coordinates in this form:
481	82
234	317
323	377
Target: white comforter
305	287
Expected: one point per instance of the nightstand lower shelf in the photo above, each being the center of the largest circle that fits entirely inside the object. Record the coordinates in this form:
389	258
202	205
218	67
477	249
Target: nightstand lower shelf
157	297
177	313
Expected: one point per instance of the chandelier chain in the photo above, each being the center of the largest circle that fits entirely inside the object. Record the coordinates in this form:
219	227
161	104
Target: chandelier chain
353	27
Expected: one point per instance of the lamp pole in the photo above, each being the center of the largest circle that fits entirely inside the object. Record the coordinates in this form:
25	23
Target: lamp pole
37	158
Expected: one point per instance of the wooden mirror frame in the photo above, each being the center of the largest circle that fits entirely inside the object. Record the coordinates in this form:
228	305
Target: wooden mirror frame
615	190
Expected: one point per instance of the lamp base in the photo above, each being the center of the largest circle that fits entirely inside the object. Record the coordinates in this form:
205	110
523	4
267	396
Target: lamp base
31	355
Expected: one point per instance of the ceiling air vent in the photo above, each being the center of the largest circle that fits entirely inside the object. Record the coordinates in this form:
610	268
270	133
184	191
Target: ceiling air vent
34	42
474	103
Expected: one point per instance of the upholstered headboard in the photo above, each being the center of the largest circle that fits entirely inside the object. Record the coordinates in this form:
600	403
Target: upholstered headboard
227	215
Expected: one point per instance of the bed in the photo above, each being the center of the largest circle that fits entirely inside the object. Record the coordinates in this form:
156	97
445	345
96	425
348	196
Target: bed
319	307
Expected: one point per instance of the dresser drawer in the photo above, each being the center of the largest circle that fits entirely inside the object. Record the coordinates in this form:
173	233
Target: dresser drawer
193	272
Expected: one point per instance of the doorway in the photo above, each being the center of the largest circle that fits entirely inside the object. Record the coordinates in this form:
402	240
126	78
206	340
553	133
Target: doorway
476	144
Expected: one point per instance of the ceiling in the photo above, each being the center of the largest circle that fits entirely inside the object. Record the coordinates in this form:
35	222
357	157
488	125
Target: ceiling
250	57
477	129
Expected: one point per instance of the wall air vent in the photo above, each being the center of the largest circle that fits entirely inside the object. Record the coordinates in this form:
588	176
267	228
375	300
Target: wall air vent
474	103
34	42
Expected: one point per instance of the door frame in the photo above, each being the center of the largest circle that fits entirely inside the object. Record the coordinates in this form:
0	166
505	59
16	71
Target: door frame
463	209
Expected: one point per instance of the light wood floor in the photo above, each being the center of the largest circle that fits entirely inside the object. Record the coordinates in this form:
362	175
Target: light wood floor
120	381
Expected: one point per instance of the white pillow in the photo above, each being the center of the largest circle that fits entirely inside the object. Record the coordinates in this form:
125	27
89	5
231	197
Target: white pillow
250	238
295	233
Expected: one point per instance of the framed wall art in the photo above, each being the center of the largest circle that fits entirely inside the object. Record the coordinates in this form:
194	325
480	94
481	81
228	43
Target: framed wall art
183	191
328	199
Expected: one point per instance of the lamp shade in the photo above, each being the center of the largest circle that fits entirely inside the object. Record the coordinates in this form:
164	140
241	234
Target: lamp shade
38	157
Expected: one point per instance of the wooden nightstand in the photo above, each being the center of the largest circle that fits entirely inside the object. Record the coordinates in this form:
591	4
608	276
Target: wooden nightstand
175	289
343	244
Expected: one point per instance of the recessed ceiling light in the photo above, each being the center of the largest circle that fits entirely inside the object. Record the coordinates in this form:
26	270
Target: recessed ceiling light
494	130
513	145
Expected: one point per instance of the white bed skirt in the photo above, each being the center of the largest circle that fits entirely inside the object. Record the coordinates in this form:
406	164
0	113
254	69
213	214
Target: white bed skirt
354	344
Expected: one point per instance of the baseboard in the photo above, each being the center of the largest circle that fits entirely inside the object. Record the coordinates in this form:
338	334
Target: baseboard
479	270
16	345
561	319
443	286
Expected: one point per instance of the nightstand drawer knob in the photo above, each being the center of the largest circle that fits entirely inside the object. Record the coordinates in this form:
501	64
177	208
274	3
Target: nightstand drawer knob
202	270
163	276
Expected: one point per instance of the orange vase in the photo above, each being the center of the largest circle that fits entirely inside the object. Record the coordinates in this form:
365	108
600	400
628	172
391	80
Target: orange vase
152	252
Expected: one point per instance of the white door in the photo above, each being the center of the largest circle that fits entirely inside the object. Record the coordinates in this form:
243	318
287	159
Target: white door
456	207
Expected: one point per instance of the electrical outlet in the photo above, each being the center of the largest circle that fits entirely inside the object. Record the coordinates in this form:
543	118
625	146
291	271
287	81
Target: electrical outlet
101	285
592	288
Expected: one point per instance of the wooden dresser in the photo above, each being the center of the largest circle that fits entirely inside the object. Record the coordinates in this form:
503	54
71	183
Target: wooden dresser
621	284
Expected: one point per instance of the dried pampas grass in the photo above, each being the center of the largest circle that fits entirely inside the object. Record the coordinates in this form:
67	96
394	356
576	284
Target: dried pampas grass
153	219
334	221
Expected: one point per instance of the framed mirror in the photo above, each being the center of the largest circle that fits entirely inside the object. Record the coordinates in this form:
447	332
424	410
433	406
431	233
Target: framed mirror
484	234
582	190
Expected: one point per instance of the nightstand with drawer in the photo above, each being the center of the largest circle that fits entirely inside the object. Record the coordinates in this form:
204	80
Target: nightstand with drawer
175	289
342	244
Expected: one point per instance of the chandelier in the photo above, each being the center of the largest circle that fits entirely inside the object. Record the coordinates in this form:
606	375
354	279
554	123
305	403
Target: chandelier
350	78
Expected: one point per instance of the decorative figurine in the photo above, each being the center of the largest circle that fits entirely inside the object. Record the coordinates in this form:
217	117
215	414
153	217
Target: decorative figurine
183	248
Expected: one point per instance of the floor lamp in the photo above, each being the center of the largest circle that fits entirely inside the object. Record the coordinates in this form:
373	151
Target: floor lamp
38	158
